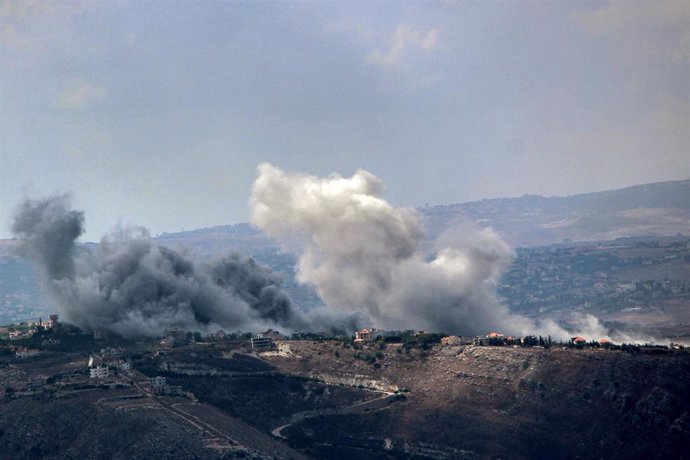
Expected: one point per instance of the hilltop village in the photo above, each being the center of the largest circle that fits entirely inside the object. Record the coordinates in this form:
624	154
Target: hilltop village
109	360
383	394
31	338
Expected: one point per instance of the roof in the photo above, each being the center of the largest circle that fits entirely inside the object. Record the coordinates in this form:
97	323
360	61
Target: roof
604	340
492	335
579	338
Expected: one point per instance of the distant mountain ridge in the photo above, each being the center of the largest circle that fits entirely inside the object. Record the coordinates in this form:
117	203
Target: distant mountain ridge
658	194
656	209
220	239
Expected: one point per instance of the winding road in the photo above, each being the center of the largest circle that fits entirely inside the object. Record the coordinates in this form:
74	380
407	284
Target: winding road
370	405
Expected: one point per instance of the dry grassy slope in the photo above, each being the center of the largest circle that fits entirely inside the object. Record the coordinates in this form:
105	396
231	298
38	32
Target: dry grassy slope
519	403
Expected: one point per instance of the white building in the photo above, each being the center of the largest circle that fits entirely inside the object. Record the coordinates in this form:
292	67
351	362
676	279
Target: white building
23	352
158	384
99	372
366	335
17	335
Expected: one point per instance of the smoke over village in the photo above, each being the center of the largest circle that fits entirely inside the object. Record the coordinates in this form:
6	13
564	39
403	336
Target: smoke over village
362	255
131	287
344	230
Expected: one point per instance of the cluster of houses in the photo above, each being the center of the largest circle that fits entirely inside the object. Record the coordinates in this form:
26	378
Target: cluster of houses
491	339
263	341
29	329
164	346
102	371
24	352
107	359
580	342
159	386
498	339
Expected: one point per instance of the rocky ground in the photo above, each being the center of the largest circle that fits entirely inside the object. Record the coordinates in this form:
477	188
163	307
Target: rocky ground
468	401
326	399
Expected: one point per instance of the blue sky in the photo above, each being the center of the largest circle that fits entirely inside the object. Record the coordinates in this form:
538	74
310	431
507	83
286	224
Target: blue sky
157	113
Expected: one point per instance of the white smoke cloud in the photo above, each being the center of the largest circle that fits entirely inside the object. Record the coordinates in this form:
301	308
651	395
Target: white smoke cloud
363	256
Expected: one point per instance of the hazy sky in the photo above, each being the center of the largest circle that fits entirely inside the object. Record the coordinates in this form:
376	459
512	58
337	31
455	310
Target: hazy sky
157	113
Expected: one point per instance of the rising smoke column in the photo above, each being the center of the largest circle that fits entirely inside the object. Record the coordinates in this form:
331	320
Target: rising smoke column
363	256
132	287
50	231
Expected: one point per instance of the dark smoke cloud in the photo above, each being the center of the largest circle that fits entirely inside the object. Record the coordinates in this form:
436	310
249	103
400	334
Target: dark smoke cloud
50	231
132	287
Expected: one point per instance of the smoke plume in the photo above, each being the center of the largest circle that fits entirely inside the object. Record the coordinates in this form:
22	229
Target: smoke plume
363	255
131	287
